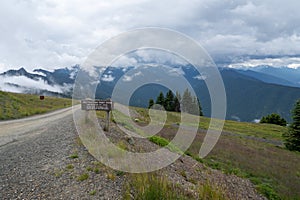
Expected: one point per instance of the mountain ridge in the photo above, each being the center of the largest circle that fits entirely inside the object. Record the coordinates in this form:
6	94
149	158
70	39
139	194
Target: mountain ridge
249	95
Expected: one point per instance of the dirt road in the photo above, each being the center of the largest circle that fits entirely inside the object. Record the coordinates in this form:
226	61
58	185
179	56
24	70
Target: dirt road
41	157
14	130
35	161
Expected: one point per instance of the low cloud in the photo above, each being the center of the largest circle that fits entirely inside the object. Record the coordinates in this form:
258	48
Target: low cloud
127	78
20	83
200	77
291	62
256	120
107	78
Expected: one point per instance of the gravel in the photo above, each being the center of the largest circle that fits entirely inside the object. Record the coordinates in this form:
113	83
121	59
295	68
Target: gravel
37	167
51	163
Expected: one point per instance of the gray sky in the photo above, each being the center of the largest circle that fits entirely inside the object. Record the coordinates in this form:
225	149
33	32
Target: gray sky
60	33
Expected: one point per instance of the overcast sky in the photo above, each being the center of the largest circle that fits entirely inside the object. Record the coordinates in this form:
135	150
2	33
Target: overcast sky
61	33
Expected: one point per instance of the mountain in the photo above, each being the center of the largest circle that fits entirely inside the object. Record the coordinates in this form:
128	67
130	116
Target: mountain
250	98
286	73
56	83
251	94
269	78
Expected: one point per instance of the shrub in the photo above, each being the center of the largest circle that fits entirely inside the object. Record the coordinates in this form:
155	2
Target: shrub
274	119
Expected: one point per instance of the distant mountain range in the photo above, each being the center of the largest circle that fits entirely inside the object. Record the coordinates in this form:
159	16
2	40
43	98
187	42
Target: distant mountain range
251	93
56	83
277	75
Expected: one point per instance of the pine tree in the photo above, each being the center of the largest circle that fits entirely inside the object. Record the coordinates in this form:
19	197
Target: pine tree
190	104
160	99
169	101
186	101
177	101
197	103
292	137
151	103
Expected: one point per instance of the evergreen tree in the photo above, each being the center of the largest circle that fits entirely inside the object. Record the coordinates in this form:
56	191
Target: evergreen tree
169	101
197	103
160	99
190	104
151	103
273	119
186	101
177	101
292	137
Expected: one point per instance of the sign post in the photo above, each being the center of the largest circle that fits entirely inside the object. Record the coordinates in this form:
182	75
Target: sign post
105	105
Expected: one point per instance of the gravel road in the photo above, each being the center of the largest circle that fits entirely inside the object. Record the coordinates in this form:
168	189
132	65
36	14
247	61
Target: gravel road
42	157
36	164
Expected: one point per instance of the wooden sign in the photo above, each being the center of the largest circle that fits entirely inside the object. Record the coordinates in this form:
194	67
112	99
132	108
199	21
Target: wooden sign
42	97
106	105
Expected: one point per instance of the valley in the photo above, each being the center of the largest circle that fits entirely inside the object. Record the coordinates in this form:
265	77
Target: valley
250	94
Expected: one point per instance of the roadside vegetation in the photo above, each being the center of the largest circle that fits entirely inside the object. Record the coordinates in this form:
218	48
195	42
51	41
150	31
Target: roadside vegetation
156	186
248	150
14	106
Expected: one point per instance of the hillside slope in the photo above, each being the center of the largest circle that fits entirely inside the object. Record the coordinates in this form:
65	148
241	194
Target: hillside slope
13	106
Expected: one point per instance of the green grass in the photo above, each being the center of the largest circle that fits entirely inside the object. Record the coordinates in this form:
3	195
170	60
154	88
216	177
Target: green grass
246	150
266	131
73	156
152	186
14	106
70	167
83	177
164	143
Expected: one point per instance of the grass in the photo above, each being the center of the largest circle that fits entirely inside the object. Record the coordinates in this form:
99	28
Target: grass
111	176
247	150
73	156
83	177
266	131
153	186
58	173
209	191
14	106
164	143
70	167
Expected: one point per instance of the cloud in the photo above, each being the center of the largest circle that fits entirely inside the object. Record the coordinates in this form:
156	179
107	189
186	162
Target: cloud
256	120
200	77
60	33
176	72
291	62
10	84
125	61
127	78
107	78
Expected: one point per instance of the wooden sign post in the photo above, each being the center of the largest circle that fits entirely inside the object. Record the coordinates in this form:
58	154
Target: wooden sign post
105	105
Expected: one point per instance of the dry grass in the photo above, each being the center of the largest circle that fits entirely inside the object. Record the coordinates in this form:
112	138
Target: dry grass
156	186
246	150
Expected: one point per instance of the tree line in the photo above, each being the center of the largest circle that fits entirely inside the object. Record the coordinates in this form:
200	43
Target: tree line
177	103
